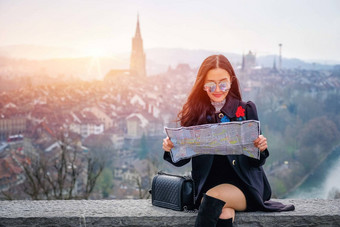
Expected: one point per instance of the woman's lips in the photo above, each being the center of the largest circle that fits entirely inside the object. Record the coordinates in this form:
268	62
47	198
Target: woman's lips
217	95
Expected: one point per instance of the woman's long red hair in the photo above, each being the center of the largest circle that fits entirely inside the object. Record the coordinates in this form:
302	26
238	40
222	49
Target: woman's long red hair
198	105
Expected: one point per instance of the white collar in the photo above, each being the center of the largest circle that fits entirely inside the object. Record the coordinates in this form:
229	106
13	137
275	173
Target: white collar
218	105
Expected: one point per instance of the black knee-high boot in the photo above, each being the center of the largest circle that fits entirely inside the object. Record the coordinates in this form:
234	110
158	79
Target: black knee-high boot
225	223
209	212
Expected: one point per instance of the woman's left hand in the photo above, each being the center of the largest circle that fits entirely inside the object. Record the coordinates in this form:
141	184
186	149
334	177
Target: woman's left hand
261	143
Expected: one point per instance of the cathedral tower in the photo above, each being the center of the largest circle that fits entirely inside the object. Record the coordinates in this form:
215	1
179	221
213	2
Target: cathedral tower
137	60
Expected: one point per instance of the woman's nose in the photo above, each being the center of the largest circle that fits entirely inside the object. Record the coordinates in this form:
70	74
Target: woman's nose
218	88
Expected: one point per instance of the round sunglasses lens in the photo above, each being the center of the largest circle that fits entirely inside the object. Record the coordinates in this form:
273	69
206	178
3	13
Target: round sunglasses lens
223	86
210	87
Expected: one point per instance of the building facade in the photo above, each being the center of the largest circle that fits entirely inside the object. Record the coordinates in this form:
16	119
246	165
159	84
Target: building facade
12	126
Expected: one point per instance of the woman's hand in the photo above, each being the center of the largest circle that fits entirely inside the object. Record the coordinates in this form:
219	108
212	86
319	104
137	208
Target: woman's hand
167	144
261	143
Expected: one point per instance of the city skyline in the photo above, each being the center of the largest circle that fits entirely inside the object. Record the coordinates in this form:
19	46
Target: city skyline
306	29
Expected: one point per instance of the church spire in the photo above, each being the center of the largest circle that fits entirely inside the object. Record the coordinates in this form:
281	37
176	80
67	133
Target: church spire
138	34
137	60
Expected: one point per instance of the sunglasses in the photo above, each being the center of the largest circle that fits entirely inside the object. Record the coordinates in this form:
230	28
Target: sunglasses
211	86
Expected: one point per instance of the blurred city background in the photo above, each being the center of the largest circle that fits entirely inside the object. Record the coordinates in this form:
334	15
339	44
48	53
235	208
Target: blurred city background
87	87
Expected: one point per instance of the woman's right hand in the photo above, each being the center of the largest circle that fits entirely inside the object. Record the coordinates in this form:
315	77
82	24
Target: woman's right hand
167	144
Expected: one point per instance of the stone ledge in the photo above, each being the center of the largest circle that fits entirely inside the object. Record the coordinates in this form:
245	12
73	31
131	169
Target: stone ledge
315	212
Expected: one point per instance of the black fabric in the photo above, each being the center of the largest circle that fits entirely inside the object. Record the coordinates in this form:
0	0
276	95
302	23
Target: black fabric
209	212
221	172
248	170
225	222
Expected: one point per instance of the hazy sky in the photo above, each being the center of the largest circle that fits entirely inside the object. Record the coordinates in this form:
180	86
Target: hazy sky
308	29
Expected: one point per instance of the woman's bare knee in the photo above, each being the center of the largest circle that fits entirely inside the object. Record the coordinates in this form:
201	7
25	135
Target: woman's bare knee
230	194
213	193
227	213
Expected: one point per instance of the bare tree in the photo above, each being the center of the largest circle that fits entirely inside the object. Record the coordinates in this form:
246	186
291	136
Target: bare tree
94	169
144	183
36	186
56	177
7	195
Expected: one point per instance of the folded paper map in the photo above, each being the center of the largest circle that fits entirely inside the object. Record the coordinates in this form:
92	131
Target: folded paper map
228	138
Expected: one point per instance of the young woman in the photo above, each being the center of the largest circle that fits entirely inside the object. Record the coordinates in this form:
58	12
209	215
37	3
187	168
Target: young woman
223	183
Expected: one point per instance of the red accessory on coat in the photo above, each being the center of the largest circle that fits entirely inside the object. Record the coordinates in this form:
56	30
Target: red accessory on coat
240	112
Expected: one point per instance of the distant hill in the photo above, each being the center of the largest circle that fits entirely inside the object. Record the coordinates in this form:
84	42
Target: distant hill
164	56
291	63
70	60
35	52
194	58
86	68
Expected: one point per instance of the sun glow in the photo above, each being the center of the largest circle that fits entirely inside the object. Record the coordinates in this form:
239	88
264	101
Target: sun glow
95	52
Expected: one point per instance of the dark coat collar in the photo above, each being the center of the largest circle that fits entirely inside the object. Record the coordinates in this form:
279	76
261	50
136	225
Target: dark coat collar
230	106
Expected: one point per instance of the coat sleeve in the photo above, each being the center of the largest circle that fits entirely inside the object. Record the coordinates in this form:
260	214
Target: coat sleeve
182	162
251	114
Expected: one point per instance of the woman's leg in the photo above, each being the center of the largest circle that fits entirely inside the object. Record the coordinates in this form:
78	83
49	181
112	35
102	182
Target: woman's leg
232	195
209	211
221	202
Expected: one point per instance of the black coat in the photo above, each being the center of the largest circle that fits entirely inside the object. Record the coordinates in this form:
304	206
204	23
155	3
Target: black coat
249	170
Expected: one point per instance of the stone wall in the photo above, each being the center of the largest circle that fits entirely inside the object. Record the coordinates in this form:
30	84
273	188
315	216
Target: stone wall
141	213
